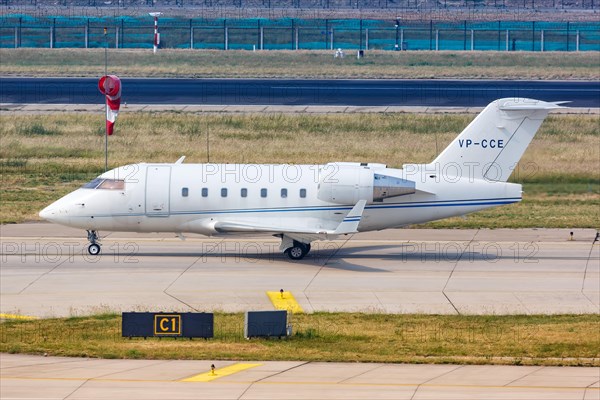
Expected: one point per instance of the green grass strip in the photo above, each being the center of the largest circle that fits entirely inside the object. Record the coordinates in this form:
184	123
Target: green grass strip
342	337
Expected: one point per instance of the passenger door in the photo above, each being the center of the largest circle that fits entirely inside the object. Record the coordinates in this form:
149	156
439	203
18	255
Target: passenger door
158	182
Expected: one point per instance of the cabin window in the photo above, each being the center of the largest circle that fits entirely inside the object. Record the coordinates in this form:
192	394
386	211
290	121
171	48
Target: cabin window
224	192
303	193
283	193
184	192
204	192
244	192
263	192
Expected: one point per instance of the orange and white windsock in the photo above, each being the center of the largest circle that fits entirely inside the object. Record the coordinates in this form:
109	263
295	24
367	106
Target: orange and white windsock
110	86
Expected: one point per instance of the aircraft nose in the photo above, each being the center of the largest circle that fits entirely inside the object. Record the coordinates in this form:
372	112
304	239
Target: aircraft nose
48	213
63	210
55	212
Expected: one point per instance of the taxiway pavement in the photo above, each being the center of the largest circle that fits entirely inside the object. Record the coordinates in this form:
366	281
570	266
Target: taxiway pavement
28	377
45	271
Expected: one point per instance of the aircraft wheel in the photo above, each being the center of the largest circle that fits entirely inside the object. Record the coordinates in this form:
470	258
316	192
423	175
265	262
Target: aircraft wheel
298	251
94	249
295	253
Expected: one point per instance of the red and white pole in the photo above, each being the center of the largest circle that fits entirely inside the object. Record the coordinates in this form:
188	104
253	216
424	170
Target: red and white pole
156	39
156	34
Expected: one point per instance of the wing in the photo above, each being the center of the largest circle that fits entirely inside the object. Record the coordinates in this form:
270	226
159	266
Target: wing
348	225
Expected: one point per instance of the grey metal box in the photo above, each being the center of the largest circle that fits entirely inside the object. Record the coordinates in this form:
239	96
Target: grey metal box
265	324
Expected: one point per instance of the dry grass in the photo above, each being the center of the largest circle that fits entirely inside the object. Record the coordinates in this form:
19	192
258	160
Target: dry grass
45	156
300	64
566	145
527	340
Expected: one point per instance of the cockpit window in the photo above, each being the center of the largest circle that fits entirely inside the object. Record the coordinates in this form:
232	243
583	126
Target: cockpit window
112	184
93	184
107	184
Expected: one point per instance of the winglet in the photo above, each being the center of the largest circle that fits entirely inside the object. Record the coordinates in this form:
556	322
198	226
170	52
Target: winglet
351	221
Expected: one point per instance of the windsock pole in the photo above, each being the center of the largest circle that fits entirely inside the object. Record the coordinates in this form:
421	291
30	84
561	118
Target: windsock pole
155	33
105	104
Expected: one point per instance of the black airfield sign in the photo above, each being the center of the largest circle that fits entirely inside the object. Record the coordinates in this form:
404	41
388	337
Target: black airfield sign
165	324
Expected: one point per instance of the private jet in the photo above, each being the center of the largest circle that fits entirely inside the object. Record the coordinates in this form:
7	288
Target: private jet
303	203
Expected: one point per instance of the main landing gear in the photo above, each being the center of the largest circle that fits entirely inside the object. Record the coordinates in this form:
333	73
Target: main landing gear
94	247
298	250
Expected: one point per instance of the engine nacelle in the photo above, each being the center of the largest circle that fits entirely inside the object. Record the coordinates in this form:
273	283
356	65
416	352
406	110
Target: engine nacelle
349	183
345	184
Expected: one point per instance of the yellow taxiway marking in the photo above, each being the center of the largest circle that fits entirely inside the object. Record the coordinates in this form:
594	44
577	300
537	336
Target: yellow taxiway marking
19	317
285	301
219	373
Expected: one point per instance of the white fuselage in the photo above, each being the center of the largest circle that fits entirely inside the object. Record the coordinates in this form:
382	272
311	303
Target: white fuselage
189	197
303	203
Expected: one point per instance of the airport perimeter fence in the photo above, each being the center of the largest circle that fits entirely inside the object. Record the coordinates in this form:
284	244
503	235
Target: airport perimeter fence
297	34
396	5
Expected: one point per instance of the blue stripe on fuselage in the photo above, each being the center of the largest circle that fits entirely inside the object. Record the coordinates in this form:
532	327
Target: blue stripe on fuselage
439	203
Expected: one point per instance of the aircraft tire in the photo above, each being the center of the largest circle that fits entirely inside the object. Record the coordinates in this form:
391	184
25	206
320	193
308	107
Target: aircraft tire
297	252
94	249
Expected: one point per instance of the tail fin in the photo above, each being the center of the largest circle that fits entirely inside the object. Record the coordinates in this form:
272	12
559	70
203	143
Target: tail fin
493	143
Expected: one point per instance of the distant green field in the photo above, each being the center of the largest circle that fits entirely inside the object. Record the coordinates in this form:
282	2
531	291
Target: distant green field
344	337
301	64
43	157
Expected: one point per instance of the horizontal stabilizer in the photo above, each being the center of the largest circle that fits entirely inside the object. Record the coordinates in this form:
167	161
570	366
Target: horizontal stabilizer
528	104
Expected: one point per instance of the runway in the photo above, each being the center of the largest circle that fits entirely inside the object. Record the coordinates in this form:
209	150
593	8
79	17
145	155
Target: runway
307	92
28	377
46	271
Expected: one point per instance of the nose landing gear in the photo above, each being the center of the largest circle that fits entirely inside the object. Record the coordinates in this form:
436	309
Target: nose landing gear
94	247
